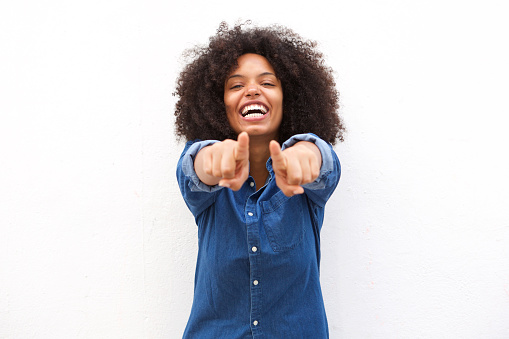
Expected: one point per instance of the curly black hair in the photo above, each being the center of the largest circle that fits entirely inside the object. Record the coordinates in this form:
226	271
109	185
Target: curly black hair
310	98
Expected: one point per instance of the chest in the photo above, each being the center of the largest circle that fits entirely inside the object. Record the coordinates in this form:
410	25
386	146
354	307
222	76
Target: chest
273	231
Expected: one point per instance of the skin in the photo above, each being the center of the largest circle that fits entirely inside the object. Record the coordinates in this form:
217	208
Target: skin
230	162
254	81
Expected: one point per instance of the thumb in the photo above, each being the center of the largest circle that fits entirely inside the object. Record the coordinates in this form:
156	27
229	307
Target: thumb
278	159
242	149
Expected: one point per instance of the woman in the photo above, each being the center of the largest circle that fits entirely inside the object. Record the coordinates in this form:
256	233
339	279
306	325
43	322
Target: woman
259	207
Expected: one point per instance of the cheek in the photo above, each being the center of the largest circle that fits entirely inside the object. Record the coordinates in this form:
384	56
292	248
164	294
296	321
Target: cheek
230	112
278	98
229	103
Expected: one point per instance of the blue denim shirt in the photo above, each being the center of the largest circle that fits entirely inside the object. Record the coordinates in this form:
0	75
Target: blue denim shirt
257	272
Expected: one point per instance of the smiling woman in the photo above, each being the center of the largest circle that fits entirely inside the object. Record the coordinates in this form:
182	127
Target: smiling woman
253	98
259	207
310	96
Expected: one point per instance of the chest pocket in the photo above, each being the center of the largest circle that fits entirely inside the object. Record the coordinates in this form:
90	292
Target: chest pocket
284	219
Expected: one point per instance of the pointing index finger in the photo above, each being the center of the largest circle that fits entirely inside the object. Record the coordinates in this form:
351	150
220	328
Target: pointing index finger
242	149
278	159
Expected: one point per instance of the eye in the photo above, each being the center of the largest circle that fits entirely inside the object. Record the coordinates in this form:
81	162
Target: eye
268	84
236	87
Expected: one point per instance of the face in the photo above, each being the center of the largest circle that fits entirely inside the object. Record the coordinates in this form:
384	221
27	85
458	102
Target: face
253	97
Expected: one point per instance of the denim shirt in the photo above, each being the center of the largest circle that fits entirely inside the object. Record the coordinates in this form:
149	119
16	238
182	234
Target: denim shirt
257	271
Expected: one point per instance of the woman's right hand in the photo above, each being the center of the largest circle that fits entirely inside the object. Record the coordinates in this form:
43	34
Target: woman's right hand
224	163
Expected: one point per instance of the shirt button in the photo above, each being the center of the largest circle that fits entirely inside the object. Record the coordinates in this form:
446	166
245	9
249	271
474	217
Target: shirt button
254	249
255	322
250	214
251	184
255	282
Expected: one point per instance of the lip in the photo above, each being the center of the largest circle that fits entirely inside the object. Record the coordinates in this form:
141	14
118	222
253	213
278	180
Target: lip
254	102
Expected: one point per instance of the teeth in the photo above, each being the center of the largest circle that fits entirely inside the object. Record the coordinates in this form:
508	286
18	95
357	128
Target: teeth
254	107
253	115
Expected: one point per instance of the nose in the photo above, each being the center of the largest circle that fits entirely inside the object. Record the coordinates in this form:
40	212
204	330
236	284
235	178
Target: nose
252	90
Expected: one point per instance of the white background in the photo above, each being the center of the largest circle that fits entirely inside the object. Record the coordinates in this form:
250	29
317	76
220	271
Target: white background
96	241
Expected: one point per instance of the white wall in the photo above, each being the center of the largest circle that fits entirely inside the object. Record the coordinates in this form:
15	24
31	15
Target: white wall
96	241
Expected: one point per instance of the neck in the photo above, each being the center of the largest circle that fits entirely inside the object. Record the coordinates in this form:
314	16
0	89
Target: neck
258	155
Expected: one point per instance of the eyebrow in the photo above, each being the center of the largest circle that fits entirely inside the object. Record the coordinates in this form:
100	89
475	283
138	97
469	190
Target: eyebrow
242	76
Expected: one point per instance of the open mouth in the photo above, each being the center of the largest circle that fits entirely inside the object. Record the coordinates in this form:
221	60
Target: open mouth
254	110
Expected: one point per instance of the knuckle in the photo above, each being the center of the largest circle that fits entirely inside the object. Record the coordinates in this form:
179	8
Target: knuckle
294	178
217	146
228	172
217	173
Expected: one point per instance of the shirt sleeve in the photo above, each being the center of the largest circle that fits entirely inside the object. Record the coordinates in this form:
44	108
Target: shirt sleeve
320	190
197	195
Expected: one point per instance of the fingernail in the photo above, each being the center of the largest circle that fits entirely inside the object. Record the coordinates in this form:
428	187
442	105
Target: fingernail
223	184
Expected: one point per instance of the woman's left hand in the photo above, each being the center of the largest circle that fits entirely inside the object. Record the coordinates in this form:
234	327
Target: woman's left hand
295	166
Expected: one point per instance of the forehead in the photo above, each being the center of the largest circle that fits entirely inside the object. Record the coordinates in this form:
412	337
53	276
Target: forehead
251	62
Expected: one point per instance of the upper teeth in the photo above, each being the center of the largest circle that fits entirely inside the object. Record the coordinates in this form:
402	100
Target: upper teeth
254	107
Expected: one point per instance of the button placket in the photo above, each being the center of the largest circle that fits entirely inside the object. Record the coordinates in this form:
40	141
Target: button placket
253	239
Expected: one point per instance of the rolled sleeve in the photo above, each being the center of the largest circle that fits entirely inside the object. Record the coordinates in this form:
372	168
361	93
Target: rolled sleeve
197	195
